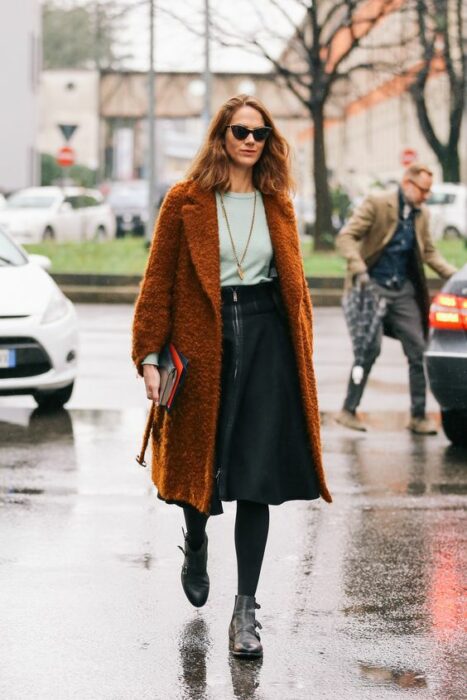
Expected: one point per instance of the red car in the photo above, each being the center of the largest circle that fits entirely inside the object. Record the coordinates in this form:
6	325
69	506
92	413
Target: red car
446	356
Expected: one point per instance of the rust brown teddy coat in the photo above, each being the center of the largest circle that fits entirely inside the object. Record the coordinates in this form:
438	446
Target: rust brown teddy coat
180	300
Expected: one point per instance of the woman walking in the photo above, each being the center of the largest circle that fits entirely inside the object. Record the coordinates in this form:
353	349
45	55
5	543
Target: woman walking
225	284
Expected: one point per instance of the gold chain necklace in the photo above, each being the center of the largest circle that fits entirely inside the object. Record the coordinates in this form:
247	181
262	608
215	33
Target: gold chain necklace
240	271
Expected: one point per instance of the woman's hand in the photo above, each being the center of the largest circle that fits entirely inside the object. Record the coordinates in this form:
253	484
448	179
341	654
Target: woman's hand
152	381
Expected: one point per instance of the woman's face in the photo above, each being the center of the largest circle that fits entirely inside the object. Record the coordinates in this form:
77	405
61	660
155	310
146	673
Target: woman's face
245	153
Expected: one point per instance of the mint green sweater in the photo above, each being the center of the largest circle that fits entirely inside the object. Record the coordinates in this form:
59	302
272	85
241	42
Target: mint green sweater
256	264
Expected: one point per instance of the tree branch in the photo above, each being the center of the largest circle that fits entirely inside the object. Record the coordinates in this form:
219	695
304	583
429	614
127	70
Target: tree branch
296	28
287	75
336	7
417	89
447	54
351	23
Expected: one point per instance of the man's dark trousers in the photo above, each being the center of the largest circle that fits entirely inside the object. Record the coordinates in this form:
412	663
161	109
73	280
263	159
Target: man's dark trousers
403	317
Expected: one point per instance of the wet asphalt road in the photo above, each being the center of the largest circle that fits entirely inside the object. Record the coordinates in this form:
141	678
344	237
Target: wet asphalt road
360	599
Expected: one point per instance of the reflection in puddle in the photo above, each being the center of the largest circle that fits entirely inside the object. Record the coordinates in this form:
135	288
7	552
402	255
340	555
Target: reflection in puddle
25	491
37	455
26	427
379	421
245	677
193	646
393	676
144	560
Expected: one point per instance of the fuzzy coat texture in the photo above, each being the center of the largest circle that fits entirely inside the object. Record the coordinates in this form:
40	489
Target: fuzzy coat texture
180	300
370	229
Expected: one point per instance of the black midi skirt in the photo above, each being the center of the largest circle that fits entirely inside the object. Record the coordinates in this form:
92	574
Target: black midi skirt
263	450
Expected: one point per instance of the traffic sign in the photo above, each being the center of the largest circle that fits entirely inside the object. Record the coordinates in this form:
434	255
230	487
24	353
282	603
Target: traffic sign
408	156
65	156
67	130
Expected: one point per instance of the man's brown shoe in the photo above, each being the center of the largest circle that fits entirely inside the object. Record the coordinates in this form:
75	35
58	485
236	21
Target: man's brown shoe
350	420
422	426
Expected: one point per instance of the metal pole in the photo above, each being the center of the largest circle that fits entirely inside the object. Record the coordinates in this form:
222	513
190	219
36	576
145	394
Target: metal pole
207	67
152	200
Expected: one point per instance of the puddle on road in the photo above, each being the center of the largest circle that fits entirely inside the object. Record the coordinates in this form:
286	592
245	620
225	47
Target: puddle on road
397	576
389	460
379	675
194	643
34	427
144	560
385	421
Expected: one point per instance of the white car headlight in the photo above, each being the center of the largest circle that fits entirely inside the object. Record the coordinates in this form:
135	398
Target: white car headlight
56	308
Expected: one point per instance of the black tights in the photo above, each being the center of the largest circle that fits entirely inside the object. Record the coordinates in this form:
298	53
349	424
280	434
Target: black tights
251	534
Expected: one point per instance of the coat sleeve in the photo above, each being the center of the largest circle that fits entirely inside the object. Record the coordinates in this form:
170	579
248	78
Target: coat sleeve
432	257
152	319
348	240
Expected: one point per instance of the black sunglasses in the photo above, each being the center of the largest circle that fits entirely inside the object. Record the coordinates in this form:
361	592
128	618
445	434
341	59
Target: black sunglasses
241	132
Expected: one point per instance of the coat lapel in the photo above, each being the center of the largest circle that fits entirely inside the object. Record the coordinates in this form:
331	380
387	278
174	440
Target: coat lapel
202	235
282	228
420	227
392	217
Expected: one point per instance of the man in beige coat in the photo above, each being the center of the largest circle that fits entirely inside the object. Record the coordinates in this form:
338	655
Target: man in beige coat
385	243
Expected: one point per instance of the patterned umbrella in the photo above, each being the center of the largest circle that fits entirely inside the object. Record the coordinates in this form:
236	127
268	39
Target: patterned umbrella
364	310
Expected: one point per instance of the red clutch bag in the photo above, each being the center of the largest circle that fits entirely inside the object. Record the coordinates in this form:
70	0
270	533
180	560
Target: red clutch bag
172	369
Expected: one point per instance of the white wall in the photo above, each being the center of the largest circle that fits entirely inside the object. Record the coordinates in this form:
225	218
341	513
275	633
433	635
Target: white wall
20	51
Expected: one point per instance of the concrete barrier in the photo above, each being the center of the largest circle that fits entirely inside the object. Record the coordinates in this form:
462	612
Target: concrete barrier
123	289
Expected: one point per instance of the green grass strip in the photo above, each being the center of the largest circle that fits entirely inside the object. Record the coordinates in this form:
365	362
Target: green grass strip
128	256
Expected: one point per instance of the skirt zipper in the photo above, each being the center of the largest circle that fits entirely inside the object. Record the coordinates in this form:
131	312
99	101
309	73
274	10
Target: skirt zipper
237	329
236	324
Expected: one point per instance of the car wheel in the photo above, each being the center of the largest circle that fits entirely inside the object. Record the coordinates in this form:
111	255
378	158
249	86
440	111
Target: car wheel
49	234
101	233
455	426
451	233
53	400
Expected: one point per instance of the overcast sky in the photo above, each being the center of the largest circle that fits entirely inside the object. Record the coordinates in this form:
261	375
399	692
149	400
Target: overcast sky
178	48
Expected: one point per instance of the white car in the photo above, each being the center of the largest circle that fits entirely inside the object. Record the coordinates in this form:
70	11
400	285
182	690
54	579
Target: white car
448	211
38	329
53	213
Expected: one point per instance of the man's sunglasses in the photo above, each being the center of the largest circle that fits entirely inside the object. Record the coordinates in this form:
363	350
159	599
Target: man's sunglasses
242	132
426	190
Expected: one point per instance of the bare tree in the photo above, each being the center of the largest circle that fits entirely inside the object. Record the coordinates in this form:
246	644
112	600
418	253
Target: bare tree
443	41
83	33
315	59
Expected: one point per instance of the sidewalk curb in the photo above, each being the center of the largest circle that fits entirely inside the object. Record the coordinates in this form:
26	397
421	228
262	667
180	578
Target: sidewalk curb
123	289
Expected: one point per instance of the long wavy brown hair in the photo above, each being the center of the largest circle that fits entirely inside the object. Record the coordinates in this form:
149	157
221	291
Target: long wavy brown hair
271	173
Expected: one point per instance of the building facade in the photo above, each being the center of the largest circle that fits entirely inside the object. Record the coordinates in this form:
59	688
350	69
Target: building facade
109	111
20	58
371	125
70	98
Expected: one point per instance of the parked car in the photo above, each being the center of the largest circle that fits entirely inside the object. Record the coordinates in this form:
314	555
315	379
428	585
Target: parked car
448	211
130	204
446	355
38	329
53	213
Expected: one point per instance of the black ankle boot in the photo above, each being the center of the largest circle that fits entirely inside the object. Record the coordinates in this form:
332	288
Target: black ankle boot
195	579
244	640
